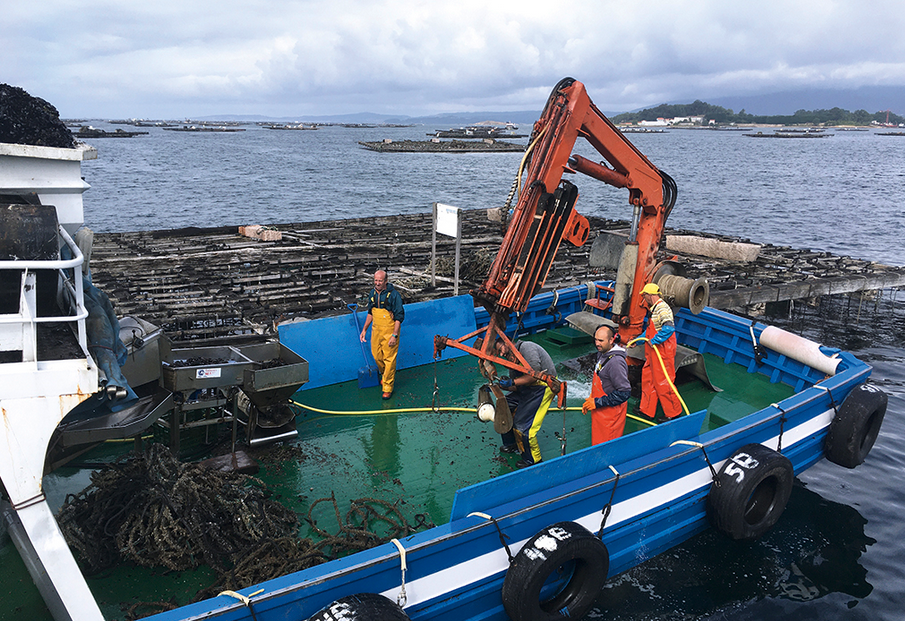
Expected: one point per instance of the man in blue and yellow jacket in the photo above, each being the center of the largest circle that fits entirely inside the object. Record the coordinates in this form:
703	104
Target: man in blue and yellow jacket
386	312
659	372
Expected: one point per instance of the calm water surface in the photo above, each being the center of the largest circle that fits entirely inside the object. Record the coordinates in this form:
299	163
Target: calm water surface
842	193
837	552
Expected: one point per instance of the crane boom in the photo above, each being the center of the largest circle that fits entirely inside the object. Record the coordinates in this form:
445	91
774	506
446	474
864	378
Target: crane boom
545	212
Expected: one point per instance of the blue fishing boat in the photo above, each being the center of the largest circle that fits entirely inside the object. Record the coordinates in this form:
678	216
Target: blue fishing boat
541	542
537	543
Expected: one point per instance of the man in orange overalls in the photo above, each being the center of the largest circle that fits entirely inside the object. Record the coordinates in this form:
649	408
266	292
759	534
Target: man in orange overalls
610	387
386	312
655	384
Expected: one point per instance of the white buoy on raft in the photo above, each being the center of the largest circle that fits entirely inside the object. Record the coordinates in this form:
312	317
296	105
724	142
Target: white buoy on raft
798	348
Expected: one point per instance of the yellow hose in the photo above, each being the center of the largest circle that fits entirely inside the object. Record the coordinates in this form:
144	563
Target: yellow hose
663	366
424	409
521	166
392	411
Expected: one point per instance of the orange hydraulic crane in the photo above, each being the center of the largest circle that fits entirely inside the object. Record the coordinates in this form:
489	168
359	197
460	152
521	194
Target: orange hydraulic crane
545	215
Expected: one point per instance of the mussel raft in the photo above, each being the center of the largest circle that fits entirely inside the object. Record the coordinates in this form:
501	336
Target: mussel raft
440	146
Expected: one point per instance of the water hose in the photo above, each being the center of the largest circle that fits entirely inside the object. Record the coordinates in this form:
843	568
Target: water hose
521	166
388	411
662	366
422	409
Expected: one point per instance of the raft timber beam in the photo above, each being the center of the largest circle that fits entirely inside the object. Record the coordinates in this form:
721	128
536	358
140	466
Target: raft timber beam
766	294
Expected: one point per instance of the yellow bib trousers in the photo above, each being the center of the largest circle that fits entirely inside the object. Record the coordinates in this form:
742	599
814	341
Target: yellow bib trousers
384	353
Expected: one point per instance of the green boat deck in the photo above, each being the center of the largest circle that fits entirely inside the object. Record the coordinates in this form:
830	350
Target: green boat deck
424	457
368	448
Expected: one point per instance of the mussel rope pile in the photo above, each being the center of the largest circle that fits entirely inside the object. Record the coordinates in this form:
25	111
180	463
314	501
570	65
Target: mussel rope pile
153	510
278	557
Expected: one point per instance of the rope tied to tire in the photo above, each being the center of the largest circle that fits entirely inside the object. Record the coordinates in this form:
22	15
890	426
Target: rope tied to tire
756	485
713	474
246	600
401	598
609	505
566	553
783	419
832	399
499	531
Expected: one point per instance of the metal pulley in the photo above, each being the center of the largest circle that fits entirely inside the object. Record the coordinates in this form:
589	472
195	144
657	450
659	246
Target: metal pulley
685	292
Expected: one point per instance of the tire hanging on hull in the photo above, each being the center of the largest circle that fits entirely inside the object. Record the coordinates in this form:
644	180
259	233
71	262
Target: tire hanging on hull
361	607
750	493
564	552
855	427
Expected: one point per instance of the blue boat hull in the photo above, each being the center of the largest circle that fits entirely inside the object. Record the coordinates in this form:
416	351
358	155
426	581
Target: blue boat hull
651	486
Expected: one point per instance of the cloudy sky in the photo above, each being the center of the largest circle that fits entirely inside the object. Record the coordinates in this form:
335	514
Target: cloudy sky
291	58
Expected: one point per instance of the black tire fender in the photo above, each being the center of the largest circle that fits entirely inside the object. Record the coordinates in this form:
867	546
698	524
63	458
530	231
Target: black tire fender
750	492
563	550
855	427
361	607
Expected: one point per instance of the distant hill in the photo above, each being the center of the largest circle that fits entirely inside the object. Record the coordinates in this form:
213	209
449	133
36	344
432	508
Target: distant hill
870	98
721	115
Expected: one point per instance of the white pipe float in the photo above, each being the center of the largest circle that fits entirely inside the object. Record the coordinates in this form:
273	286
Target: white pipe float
798	348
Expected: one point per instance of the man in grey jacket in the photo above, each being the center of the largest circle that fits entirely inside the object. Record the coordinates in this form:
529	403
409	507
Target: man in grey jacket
610	387
528	401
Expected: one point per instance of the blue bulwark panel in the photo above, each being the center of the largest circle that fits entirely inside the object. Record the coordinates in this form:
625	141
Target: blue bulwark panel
570	468
545	310
331	346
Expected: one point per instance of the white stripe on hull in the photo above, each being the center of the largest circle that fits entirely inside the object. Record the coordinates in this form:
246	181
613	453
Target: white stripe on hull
487	565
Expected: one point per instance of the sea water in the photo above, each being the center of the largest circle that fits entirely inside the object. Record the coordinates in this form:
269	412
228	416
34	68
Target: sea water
837	551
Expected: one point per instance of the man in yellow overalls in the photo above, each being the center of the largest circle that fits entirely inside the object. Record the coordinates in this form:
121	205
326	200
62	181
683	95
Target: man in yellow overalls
386	312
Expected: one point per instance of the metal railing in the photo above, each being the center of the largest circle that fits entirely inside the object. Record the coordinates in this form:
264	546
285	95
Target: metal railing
20	328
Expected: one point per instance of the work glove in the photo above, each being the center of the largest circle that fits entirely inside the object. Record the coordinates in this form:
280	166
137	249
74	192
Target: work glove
506	383
588	405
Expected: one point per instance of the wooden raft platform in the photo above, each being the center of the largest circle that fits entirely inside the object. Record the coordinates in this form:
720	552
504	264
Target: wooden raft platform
213	283
443	146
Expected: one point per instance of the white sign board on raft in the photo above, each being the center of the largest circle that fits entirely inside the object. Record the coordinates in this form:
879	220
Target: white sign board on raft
446	222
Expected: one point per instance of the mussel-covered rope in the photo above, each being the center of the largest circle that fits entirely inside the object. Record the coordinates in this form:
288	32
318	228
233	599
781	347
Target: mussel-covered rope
151	509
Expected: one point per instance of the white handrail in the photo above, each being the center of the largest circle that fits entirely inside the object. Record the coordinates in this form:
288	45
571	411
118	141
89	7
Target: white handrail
74	285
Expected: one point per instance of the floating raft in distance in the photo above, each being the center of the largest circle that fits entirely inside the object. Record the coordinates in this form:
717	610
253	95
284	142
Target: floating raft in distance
641	130
476	132
299	126
194	128
788	135
450	146
92	132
